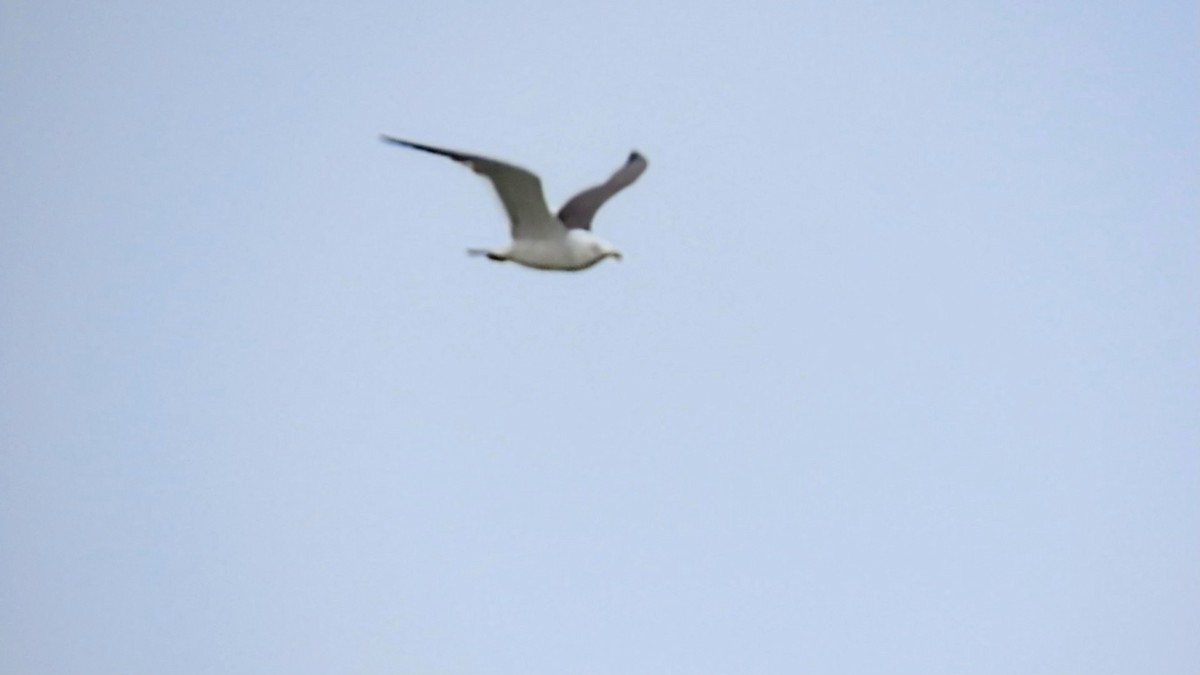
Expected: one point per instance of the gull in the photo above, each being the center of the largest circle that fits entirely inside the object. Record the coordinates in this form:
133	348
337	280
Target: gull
541	239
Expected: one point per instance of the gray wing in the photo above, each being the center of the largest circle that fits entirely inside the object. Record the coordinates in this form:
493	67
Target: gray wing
577	213
519	189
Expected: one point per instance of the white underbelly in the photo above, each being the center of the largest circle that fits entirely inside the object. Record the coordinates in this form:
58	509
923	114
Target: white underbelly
551	254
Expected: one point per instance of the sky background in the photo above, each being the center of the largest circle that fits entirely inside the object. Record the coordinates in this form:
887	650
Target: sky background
900	373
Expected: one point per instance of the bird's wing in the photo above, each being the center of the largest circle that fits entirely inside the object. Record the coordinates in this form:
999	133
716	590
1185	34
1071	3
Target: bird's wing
577	213
519	189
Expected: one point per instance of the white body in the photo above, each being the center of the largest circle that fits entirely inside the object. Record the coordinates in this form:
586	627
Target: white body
574	250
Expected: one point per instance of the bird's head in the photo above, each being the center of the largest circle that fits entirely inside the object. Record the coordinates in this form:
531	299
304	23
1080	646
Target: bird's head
603	249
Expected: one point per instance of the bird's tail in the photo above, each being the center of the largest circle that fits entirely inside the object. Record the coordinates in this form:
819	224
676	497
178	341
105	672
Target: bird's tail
490	254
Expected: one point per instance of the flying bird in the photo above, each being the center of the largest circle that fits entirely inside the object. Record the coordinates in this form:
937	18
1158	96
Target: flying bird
541	239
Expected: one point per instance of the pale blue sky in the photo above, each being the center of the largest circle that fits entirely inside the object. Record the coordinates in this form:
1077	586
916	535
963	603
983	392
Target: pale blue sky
900	373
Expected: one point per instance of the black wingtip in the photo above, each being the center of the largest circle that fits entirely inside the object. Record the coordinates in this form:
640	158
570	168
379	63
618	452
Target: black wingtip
634	156
456	156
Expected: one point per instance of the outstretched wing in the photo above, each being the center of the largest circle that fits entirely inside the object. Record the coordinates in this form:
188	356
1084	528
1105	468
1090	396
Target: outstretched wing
519	189
577	213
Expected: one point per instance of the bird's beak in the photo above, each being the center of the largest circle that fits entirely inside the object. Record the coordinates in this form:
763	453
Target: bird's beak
615	254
